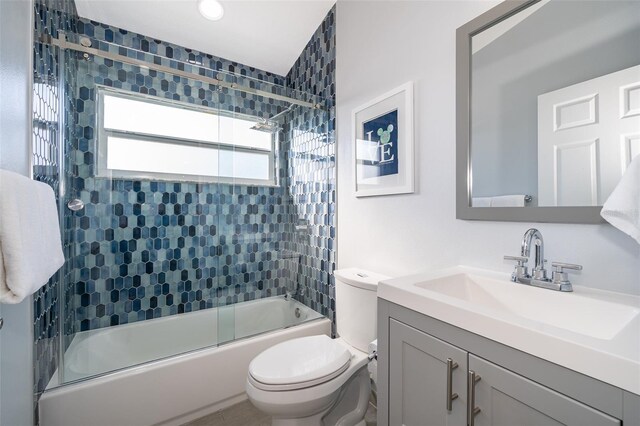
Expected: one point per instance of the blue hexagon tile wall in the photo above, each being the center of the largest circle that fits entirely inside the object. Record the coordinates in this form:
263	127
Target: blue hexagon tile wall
312	165
49	18
147	249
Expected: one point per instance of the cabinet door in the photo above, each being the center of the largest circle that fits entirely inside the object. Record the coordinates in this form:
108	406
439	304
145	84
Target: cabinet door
418	374
506	399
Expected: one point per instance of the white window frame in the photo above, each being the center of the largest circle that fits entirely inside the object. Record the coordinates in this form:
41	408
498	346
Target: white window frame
102	135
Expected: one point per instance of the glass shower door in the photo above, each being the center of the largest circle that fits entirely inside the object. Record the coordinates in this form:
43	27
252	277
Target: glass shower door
264	234
142	160
191	228
253	200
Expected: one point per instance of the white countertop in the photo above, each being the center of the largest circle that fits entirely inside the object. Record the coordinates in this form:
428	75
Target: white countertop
612	357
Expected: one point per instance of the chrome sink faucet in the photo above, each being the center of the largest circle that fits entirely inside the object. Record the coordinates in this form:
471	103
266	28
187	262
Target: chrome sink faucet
533	236
538	278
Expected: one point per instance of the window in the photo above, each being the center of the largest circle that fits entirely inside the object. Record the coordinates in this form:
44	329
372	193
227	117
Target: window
142	137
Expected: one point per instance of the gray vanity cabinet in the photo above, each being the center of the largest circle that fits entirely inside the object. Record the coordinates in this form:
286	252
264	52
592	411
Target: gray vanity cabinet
416	356
506	399
421	367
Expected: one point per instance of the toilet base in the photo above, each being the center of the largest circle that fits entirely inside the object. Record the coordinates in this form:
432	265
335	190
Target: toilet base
348	409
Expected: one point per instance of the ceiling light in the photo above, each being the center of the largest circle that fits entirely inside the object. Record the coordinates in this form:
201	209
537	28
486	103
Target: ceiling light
211	9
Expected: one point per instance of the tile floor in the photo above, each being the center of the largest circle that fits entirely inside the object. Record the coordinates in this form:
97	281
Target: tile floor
245	414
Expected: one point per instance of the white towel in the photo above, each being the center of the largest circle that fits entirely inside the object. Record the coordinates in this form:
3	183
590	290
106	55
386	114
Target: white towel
622	208
508	201
481	202
30	248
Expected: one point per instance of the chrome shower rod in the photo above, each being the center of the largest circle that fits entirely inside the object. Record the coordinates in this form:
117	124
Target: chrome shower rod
62	43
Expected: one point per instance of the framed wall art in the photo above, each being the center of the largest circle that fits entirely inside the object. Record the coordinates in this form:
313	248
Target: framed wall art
383	144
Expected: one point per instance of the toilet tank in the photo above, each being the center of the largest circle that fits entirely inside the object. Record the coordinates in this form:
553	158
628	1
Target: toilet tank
357	306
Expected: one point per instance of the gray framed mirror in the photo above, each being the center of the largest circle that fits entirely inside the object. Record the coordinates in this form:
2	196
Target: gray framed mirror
548	109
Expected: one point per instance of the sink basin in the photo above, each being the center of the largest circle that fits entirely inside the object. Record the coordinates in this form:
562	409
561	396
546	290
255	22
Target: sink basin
574	312
591	331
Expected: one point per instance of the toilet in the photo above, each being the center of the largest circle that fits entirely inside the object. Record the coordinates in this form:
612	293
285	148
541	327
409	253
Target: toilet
316	380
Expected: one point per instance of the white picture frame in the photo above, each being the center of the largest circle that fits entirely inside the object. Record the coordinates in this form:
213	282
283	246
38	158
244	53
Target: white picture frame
383	144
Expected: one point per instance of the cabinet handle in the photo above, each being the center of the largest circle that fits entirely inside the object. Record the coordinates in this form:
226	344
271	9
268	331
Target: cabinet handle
473	410
451	365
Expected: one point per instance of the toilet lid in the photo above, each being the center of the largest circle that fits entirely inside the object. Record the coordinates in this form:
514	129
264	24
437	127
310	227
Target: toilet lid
299	360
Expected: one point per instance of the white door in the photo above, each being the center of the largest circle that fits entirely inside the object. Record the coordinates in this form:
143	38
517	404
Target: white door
587	135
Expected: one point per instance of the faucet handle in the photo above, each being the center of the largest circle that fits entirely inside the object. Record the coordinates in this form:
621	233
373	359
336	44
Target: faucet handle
559	266
520	259
560	277
520	270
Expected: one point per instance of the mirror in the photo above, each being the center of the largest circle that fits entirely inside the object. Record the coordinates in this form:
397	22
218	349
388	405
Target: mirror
548	108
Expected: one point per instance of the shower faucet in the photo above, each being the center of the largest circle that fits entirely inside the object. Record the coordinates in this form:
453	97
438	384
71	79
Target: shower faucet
538	278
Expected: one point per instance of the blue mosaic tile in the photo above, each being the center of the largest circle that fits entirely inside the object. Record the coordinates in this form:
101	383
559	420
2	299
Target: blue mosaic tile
50	16
145	249
208	244
312	164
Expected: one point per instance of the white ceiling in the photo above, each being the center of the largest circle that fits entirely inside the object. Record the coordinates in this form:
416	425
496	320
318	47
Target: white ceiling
265	34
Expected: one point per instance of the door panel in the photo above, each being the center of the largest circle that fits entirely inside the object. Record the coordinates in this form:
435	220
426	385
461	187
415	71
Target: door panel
587	135
576	173
418	379
630	148
507	399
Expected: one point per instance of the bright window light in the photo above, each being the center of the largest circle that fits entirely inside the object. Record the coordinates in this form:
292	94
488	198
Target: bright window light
132	154
148	138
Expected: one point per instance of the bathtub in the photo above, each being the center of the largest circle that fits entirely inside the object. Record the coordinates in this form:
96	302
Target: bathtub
171	370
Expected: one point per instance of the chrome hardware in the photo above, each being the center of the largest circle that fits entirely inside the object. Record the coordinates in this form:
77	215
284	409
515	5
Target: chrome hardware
1	323
451	365
473	410
538	276
559	276
520	269
75	205
533	236
220	81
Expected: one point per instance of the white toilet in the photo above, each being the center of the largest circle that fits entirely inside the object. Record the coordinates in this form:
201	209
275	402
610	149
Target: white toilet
317	380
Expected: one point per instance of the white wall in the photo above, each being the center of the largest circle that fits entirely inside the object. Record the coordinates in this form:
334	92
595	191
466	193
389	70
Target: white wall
380	45
16	337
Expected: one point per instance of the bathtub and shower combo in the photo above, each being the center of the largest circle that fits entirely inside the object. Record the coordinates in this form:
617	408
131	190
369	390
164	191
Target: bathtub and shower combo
171	370
178	273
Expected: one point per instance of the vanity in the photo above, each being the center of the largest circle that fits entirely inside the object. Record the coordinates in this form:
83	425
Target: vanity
468	346
546	128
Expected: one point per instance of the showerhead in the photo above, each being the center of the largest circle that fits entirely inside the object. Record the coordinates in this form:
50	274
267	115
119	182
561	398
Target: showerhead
270	125
265	126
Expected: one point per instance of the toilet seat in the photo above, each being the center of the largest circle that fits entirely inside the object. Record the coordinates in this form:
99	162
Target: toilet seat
299	363
298	385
